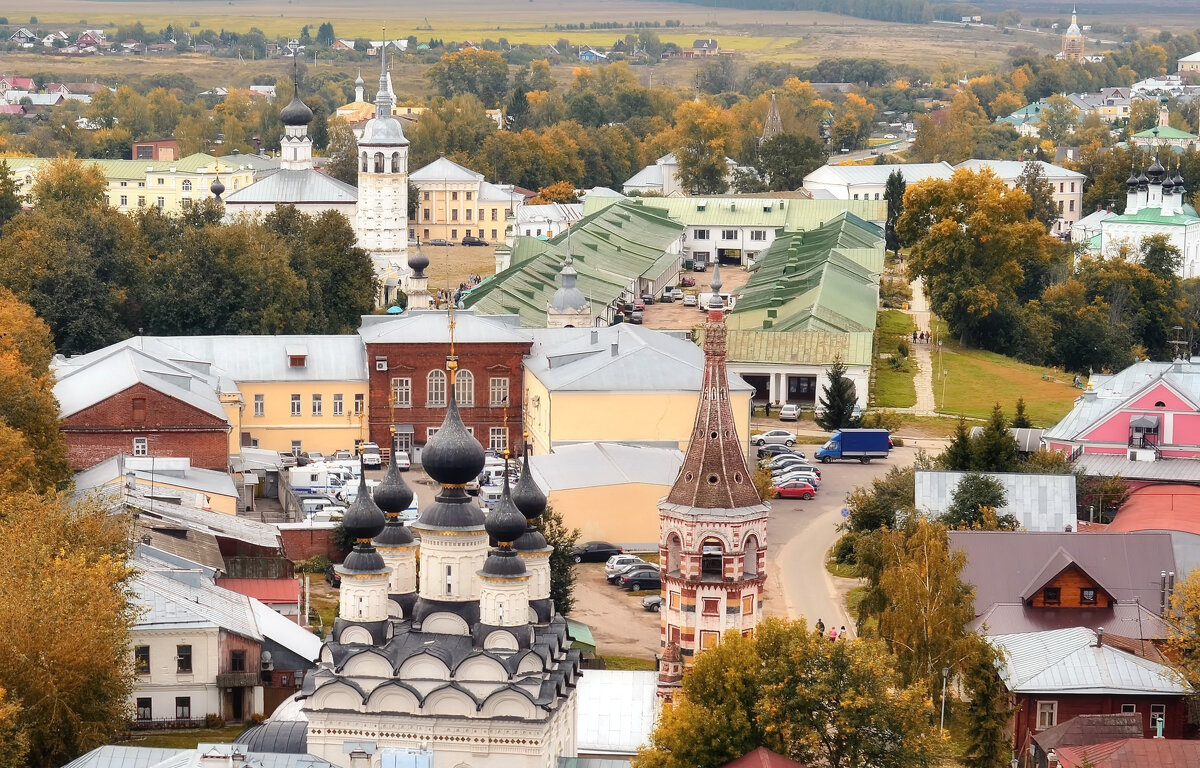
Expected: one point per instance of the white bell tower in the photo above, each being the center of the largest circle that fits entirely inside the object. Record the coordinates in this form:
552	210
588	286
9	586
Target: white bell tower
382	218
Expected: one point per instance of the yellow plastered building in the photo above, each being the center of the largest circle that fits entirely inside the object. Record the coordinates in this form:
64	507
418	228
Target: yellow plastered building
454	202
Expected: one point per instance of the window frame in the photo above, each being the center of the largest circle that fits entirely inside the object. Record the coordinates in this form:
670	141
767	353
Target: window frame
318	405
296	405
260	406
1083	598
700	234
360	404
498	438
183	659
183	707
145	709
1053	712
435	388
401	396
1051	596
141	446
339	404
464	388
710	606
709	639
141	659
237	660
498	391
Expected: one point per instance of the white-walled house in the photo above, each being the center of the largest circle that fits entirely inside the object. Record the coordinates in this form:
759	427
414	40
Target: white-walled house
867	182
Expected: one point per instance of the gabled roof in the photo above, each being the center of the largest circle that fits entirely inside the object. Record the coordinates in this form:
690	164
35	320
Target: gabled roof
1110	393
1133	752
116	369
1009	170
1060	561
878	174
1000	564
1068	661
170	603
431	326
1163	132
798	347
294	187
444	170
174	471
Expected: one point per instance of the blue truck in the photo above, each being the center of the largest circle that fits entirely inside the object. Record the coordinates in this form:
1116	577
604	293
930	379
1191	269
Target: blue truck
861	444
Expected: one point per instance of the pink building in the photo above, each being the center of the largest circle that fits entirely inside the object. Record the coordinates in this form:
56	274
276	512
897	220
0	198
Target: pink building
1147	412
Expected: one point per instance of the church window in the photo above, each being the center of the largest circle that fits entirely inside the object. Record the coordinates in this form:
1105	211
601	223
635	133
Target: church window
145	709
498	438
674	548
712	606
709	640
750	556
712	559
449	579
435	389
183	708
183	659
141	446
364	167
497	391
141	659
237	661
187	185
396	162
378	162
464	389
748	605
402	392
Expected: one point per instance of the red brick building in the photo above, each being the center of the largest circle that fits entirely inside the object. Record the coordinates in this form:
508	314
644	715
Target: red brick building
127	402
409	382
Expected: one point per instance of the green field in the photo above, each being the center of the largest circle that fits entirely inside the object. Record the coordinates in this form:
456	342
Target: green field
893	388
184	739
977	380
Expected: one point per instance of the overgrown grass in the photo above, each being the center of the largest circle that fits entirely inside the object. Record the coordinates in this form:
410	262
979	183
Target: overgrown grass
184	739
975	380
894	387
629	663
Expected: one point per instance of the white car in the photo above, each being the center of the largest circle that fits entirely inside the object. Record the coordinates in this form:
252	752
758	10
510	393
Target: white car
401	460
787	463
789	412
889	136
808	477
617	563
676	294
689	300
774	437
371	457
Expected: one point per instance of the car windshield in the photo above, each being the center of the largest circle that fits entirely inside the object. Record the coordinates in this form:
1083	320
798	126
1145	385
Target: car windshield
829	445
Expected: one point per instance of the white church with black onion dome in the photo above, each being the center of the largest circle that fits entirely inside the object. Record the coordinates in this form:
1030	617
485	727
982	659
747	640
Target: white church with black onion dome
468	664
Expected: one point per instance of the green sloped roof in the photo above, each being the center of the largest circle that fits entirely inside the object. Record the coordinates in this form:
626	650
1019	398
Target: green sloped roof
822	280
134	169
1163	132
1155	216
813	347
788	213
610	248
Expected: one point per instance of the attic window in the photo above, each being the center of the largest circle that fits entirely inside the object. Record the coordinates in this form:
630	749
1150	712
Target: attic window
1051	595
1087	595
1160	404
297	361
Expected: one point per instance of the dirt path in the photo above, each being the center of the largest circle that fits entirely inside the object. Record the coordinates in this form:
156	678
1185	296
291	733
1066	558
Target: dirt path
619	624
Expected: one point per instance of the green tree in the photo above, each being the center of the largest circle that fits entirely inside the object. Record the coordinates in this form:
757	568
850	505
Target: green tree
877	505
1160	257
481	73
1042	205
995	450
1059	117
957	456
704	138
10	203
785	160
974	505
562	561
789	689
343	152
69	183
1020	420
893	192
838	399
325	34
987	710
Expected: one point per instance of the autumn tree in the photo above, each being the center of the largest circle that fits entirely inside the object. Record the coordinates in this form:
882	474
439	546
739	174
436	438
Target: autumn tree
838	399
789	689
703	144
558	192
10	203
1059	117
1042	205
69	671
1183	638
852	125
343	152
14	743
877	505
66	182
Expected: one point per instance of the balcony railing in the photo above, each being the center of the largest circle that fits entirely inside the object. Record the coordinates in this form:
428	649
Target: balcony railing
238	679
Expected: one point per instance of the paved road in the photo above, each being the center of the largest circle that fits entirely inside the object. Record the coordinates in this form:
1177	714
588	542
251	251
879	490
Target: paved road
801	532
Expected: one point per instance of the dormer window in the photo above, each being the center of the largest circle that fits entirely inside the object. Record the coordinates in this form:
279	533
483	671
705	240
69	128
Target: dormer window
1051	595
1087	595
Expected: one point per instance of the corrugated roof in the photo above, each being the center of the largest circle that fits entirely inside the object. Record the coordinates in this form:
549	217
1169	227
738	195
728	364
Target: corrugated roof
1166	507
1137	752
592	465
84	383
878	174
1090	729
615	711
115	756
282	630
1009	170
432	326
1163	132
797	214
265	590
167	603
1156	216
264	358
160	470
290	186
1109	393
798	347
1129	619
1039	502
137	169
1068	661
1001	563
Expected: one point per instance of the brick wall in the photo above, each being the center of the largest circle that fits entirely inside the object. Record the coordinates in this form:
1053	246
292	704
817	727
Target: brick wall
415	361
172	428
301	544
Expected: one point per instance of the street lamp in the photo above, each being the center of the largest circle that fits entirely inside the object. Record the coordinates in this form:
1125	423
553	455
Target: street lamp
945	674
945	375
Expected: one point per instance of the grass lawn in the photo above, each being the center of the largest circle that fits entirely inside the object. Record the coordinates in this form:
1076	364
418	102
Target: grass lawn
976	380
629	663
894	388
184	739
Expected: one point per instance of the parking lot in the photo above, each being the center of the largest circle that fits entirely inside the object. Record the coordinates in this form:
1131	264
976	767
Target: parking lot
675	316
619	624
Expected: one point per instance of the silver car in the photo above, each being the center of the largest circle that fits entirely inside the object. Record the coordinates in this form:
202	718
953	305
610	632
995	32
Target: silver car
774	437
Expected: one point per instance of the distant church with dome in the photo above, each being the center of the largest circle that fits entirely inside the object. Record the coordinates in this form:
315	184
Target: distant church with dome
446	653
377	208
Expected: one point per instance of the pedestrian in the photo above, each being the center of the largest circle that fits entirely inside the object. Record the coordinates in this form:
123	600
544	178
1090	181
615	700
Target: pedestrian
914	337
833	634
842	633
821	627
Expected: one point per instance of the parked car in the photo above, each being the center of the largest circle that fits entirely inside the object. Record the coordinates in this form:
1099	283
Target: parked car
618	563
640	580
652	603
699	266
795	489
775	450
615	576
314	456
639	305
343	454
636	317
371	456
666	297
790	463
689	300
401	460
635	572
469	240
438	241
595	552
789	412
332	577
287	459
647	298
796	457
687	282
677	294
774	437
790	475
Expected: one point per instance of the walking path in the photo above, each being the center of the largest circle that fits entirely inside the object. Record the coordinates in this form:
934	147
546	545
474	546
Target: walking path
922	354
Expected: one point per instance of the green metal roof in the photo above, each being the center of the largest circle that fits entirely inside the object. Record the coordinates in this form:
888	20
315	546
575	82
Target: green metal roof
611	248
788	213
1156	216
826	279
1163	132
813	347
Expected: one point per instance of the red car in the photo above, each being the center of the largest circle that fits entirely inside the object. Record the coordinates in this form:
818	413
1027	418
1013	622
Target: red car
639	306
687	282
796	489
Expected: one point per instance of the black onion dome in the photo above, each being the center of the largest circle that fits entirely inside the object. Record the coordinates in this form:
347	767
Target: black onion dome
364	520
451	509
296	112
1142	180
530	541
1156	170
217	187
395	534
453	456
527	496
393	495
505	522
1178	180
364	558
1132	181
504	562
418	262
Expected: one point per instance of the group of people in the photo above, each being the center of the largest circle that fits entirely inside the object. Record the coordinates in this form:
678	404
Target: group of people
835	634
922	337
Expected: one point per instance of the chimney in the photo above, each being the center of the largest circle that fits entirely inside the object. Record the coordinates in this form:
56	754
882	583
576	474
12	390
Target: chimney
614	347
595	336
1162	594
1100	637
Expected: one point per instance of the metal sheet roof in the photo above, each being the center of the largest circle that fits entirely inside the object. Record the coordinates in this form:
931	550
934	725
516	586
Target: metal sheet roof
432	326
151	470
799	347
265	358
1068	661
168	603
277	627
878	174
444	170
591	465
615	711
1039	502
294	186
1009	170
115	756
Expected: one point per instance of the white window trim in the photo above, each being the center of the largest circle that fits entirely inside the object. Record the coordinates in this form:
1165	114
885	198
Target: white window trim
401	392
141	446
464	388
318	405
297	405
498	391
339	405
439	376
260	406
1053	715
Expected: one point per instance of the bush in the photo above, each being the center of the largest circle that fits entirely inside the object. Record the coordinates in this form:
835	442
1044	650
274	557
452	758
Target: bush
897	363
315	564
902	348
843	549
213	720
257	718
882	419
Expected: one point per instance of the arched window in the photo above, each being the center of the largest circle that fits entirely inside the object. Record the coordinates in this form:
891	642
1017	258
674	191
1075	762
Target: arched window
464	389
187	185
364	162
674	545
712	559
395	162
750	556
435	389
378	162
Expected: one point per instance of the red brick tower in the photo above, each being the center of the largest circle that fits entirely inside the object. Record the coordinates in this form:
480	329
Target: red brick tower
713	524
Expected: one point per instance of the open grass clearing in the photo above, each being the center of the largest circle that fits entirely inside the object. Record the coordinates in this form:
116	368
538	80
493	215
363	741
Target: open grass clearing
975	381
894	386
184	738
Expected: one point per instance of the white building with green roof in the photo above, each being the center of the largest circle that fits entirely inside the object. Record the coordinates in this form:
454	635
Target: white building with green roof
1156	205
1163	135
